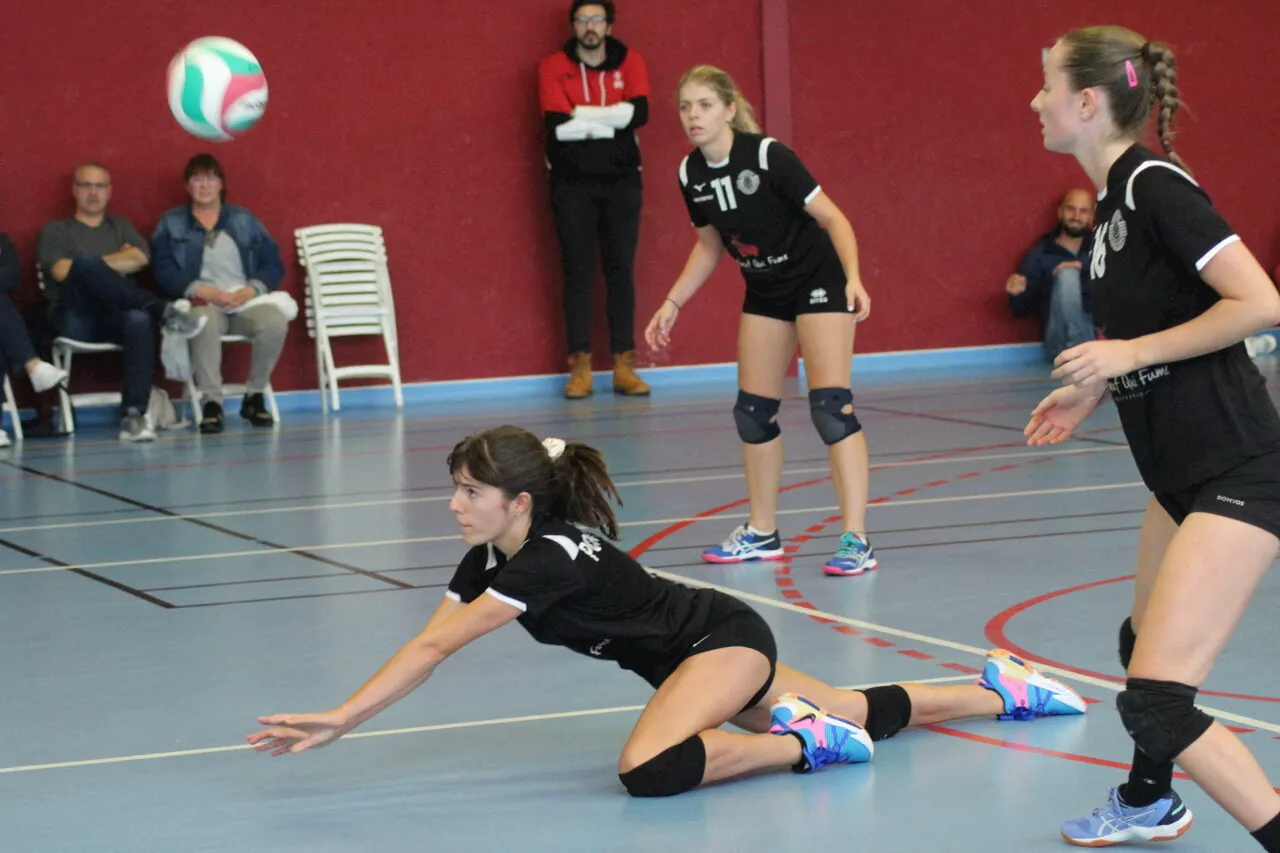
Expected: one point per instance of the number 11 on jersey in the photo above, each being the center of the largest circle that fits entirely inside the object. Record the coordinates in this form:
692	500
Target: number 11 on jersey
724	193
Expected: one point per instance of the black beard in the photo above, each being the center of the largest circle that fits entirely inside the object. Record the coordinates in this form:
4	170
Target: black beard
1074	233
582	43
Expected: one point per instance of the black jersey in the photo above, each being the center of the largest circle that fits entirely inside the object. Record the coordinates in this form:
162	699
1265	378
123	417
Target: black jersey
576	590
1189	420
756	200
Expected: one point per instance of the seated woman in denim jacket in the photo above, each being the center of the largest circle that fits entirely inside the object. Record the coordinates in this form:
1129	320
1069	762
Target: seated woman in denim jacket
221	256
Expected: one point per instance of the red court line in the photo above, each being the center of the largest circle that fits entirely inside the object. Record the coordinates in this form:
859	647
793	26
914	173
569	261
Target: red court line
996	634
1052	753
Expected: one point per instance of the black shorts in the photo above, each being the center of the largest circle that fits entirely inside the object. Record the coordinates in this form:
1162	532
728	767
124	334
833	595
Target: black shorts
732	625
807	299
1249	492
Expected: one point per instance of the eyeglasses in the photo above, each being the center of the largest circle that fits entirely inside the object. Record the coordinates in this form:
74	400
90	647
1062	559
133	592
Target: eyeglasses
90	185
590	19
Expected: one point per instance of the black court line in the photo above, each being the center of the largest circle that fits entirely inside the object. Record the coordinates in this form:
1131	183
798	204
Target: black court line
215	527
137	593
967	422
290	578
877	459
308	595
889	530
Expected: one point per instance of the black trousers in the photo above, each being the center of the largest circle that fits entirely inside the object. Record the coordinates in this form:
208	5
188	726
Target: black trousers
16	348
603	219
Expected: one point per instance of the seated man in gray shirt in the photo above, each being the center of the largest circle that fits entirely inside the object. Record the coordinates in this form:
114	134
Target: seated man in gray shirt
221	255
88	261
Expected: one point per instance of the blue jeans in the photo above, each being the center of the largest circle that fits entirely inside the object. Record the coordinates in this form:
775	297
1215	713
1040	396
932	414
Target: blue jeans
99	305
1068	324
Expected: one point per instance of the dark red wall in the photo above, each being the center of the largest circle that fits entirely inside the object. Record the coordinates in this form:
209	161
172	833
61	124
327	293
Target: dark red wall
422	117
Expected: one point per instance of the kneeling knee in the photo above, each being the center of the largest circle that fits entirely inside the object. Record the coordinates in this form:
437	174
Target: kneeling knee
1161	717
832	412
673	771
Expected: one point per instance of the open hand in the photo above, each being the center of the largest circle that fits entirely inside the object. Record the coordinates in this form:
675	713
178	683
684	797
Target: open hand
294	733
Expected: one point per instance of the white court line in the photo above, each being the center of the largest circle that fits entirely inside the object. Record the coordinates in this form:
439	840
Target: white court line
559	715
705	478
946	644
335	546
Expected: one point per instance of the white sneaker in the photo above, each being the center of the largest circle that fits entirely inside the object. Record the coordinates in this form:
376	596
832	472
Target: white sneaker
5	441
136	427
46	376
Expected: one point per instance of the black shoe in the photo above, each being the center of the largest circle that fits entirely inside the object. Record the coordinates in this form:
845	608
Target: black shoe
254	410
211	417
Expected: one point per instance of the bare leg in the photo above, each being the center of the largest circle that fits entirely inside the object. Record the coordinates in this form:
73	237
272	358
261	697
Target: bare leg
765	347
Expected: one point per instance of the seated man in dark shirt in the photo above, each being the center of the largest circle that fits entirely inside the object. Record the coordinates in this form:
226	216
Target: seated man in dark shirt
1051	280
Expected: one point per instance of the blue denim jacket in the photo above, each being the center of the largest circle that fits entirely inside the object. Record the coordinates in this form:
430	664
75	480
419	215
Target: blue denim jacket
177	249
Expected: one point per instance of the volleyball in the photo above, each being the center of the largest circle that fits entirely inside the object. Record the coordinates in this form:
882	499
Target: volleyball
217	90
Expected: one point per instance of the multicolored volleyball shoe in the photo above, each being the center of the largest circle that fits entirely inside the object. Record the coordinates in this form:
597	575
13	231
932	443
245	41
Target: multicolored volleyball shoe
1026	693
1117	822
745	544
853	556
824	738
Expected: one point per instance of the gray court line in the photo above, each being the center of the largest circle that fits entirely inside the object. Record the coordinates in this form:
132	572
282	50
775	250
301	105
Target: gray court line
936	641
335	546
439	727
737	475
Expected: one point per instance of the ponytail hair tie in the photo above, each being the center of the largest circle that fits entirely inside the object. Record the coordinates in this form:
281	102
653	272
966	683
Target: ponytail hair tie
554	447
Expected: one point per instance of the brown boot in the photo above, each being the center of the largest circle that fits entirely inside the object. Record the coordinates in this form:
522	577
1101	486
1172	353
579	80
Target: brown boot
625	380
579	384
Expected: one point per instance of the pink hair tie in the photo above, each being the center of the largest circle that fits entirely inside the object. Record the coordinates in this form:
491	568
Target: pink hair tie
1130	73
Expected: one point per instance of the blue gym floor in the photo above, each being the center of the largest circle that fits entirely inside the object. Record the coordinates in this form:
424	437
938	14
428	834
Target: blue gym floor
154	600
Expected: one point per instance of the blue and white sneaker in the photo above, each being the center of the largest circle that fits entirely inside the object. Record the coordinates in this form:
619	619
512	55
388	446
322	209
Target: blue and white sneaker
1117	822
746	543
854	556
824	738
1027	694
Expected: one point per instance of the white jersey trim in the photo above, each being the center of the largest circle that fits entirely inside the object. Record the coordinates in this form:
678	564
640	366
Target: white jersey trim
506	599
452	596
684	171
811	196
764	152
1128	193
570	547
1213	253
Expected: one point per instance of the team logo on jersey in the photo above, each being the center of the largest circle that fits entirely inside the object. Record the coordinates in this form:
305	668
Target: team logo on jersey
617	80
744	250
699	187
1117	232
748	182
590	546
598	649
818	297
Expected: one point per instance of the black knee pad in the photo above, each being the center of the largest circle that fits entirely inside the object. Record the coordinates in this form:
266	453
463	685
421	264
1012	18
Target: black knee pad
827	408
1161	717
757	418
1127	641
670	772
888	710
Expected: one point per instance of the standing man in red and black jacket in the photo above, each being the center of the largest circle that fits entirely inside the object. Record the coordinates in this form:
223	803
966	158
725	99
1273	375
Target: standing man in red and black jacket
595	94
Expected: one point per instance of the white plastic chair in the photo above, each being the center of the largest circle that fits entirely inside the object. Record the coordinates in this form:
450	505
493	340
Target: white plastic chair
11	406
63	350
348	294
196	398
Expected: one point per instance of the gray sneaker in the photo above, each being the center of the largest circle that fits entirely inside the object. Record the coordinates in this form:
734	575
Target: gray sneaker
178	320
135	426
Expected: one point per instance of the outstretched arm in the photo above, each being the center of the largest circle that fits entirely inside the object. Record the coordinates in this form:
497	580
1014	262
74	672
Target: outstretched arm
451	627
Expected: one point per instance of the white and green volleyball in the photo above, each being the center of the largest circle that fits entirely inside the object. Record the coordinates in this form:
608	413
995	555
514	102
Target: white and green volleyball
217	90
